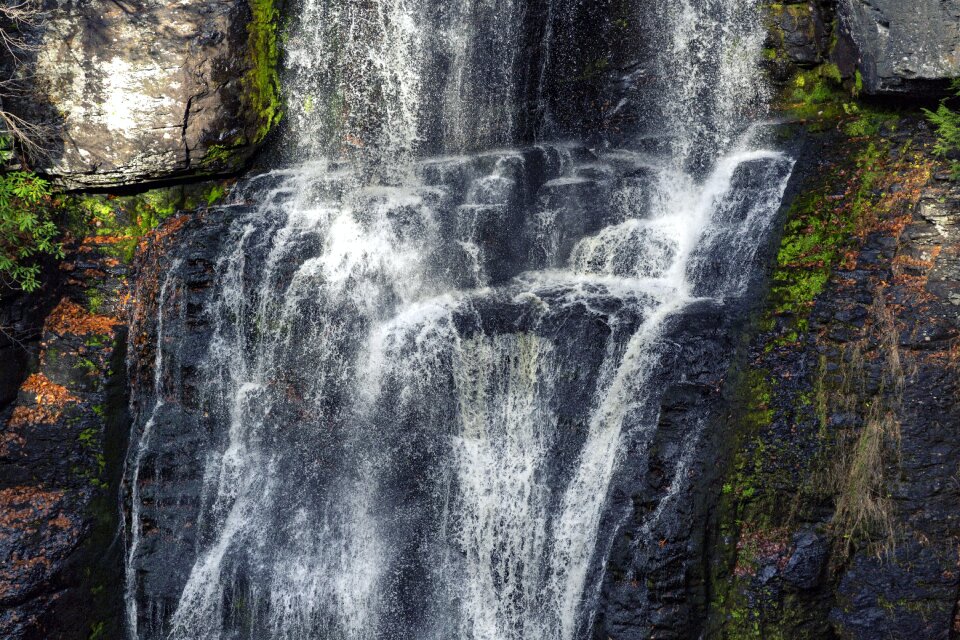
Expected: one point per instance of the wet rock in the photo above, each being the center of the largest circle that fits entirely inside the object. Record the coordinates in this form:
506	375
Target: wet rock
653	585
808	560
799	30
903	47
61	446
880	335
908	594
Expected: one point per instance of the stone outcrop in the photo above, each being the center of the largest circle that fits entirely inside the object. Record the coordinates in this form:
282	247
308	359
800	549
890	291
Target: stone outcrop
800	30
64	421
142	90
884	47
903	47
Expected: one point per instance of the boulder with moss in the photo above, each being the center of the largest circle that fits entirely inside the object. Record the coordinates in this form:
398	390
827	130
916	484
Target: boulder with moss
142	90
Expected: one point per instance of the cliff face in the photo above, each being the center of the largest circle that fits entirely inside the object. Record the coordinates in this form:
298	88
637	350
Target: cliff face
148	90
61	449
65	423
836	516
888	47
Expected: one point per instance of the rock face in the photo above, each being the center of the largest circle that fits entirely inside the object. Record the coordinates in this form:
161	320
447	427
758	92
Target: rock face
60	446
838	514
903	47
800	30
913	590
141	90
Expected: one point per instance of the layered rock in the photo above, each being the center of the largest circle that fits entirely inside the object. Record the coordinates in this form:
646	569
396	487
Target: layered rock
151	89
800	31
903	47
883	47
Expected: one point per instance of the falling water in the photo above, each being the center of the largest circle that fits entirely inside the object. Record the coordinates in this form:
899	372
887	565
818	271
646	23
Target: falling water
418	379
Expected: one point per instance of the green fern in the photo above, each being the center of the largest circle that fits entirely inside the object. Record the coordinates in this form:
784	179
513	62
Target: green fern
947	123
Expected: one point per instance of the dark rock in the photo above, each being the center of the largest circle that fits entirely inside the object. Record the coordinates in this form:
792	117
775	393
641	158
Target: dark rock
61	447
883	334
808	560
903	47
908	594
799	31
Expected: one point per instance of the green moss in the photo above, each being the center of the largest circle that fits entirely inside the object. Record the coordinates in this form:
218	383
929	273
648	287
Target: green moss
222	156
125	220
815	94
831	72
821	227
89	438
215	194
262	82
96	341
95	301
87	364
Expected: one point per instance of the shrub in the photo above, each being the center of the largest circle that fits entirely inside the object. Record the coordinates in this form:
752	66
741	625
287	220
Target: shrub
947	123
27	230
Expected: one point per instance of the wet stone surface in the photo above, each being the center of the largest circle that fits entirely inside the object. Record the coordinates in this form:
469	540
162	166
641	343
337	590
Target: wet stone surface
61	446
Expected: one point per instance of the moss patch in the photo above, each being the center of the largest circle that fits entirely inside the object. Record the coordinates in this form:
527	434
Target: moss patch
262	82
117	223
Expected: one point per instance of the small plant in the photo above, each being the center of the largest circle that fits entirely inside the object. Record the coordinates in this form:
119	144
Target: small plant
215	194
947	123
98	631
27	230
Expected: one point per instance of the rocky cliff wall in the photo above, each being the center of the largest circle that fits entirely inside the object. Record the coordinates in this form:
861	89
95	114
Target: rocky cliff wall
887	47
64	422
903	47
61	447
836	516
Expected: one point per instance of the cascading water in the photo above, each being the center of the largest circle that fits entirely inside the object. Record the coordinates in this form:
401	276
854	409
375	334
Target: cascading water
420	371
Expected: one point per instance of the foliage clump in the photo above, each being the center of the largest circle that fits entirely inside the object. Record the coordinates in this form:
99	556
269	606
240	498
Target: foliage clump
947	123
27	229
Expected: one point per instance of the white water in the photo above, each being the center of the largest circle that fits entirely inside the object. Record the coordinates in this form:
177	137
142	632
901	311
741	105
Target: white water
390	77
420	386
162	394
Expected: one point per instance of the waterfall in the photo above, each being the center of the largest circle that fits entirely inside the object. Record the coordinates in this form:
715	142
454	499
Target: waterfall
428	338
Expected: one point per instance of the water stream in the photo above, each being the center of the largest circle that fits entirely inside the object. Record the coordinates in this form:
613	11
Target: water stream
429	338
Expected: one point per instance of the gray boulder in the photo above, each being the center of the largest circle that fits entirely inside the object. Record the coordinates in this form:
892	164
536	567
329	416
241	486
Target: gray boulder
903	46
140	90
